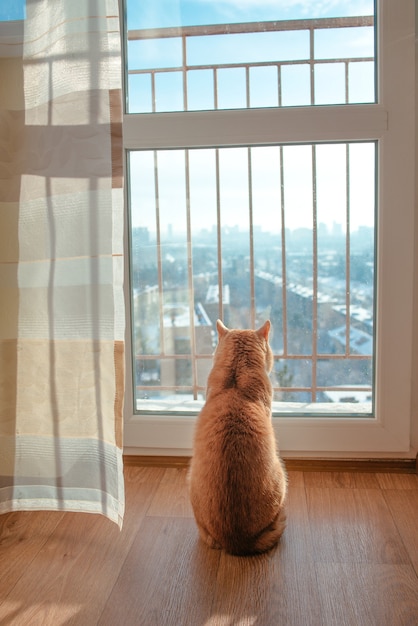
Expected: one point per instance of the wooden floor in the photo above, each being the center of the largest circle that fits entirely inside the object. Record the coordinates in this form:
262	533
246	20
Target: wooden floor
349	556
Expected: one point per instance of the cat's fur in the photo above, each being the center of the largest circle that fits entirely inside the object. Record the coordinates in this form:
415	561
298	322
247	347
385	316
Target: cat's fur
237	480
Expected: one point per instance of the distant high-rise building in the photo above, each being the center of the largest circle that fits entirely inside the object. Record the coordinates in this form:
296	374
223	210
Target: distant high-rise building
337	229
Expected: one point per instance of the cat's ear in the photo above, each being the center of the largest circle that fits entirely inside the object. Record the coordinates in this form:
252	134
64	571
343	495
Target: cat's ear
221	328
264	330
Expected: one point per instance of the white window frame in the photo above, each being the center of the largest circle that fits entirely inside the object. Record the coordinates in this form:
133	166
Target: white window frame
391	123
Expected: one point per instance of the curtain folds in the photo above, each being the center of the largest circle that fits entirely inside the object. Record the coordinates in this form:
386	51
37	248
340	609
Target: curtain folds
61	263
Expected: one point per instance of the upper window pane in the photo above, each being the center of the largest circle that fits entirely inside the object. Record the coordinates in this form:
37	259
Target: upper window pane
188	55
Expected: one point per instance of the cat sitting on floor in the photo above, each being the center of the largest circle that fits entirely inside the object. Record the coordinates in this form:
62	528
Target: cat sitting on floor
237	480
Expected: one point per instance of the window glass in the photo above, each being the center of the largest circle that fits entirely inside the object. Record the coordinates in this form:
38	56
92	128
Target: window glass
284	232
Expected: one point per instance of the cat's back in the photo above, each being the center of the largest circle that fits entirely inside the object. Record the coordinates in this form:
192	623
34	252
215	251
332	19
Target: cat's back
237	411
230	422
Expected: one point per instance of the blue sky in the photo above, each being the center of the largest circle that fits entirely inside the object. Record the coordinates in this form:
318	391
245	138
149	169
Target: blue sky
164	13
12	10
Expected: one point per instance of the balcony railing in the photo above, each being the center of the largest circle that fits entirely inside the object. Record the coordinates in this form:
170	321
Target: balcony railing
194	71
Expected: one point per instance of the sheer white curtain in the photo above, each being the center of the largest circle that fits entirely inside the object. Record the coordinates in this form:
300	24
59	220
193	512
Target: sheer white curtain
61	265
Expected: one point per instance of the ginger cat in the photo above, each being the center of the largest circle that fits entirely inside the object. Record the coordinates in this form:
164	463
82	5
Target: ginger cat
237	480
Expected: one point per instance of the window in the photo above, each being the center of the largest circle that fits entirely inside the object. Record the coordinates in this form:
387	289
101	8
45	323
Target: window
11	28
256	149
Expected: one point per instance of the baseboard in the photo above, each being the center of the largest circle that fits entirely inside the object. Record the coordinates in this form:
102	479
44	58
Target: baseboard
399	466
155	461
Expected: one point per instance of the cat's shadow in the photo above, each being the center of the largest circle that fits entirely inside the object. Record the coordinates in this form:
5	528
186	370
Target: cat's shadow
233	589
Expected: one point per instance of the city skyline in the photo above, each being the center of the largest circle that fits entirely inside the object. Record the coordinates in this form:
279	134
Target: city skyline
309	317
344	180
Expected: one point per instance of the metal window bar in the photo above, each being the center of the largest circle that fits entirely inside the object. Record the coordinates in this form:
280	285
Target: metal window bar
219	238
251	240
283	238
314	278
184	56
311	64
347	253
279	84
190	278
215	88
153	93
159	259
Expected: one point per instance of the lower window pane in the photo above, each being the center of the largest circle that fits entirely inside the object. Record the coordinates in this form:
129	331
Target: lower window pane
245	234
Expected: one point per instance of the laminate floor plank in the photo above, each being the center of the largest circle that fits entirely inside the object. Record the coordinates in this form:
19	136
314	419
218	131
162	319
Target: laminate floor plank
404	508
363	594
342	480
398	481
168	578
74	572
353	526
172	495
22	536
